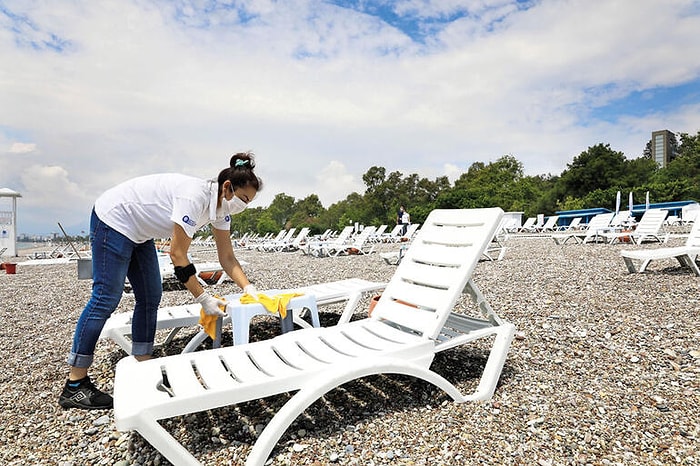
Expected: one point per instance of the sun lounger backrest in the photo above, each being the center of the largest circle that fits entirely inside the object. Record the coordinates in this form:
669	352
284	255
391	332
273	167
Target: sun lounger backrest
551	223
436	268
301	237
693	240
360	239
651	222
620	218
600	221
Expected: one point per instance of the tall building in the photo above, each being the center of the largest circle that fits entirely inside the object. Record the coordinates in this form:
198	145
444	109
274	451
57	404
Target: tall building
661	147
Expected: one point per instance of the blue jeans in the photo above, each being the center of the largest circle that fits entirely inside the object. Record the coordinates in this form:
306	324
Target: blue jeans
115	257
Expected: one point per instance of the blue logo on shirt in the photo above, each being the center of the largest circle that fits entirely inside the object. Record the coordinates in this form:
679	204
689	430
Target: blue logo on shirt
189	221
227	218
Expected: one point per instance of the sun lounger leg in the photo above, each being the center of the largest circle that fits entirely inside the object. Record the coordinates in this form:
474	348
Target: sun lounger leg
630	264
166	444
171	335
350	308
494	364
688	261
501	254
644	265
122	341
194	343
316	389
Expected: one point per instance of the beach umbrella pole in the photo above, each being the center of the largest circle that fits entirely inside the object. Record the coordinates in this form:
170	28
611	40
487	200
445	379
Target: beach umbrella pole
69	241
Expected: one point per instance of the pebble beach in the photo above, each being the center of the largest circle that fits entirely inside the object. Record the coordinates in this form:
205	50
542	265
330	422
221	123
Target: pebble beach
604	370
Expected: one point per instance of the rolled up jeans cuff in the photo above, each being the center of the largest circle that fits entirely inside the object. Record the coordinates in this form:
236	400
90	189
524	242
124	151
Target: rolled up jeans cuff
141	348
80	360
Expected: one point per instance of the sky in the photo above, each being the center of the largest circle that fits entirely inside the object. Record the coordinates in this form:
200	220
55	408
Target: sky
96	92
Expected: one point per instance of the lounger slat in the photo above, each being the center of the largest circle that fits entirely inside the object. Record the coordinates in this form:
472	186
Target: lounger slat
270	362
214	374
371	337
182	378
241	366
178	316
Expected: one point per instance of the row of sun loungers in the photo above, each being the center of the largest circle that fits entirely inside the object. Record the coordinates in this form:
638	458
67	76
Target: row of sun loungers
605	227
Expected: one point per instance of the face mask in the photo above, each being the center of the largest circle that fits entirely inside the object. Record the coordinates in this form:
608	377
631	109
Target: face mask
235	205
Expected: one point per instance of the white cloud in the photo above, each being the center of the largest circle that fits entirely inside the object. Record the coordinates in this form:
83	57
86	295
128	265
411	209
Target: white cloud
452	172
335	182
22	148
50	196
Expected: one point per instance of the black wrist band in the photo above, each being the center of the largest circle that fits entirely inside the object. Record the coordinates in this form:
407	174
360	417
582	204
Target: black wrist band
184	273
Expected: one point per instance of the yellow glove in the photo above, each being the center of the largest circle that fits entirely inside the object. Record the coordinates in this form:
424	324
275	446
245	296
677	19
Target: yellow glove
208	321
276	304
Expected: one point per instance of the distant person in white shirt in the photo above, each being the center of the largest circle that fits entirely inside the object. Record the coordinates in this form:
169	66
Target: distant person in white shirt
125	221
403	219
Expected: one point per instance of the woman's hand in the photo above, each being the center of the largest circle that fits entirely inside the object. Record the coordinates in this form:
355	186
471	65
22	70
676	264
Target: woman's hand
212	306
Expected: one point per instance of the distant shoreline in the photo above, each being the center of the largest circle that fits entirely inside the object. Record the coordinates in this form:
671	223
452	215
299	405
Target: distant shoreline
30	244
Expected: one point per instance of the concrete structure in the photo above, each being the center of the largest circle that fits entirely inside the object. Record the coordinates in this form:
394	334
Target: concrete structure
8	221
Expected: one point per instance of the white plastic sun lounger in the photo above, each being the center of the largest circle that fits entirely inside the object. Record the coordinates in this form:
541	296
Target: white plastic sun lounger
412	321
175	318
593	231
649	228
686	255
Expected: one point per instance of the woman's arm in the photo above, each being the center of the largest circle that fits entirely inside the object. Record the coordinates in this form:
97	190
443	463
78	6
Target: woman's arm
227	258
178	255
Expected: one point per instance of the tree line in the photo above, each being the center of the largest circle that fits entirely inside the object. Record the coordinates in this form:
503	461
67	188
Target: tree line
592	179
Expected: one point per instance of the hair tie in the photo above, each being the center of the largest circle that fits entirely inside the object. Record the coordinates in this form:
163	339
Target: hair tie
240	163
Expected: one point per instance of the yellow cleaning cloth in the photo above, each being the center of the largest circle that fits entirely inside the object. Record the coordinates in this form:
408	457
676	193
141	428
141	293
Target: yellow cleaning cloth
208	322
276	304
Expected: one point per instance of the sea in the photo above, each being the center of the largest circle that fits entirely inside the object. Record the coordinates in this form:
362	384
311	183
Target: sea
32	244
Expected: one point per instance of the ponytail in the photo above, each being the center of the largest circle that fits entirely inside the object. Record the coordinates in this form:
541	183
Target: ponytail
240	173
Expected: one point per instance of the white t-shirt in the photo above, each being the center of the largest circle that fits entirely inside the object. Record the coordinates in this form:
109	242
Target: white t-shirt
146	207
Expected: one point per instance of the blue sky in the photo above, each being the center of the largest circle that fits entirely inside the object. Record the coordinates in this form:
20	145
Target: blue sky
93	93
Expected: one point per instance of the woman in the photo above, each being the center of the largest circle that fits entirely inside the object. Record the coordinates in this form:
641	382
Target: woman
124	223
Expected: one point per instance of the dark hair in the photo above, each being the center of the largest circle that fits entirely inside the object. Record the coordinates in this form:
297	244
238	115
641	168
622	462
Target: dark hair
240	173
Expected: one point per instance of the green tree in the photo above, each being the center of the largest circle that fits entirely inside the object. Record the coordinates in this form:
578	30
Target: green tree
246	221
686	165
378	194
267	224
307	213
534	195
384	195
599	167
638	171
498	184
280	210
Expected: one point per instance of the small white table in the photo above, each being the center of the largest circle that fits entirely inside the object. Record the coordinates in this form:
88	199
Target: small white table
241	315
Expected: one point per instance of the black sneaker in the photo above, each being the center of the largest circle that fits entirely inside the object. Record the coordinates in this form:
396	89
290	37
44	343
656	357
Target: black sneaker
84	396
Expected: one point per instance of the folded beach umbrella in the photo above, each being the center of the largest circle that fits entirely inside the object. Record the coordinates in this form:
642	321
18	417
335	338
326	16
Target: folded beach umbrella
631	202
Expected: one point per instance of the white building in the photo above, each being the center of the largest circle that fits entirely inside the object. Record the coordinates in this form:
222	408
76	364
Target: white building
8	221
